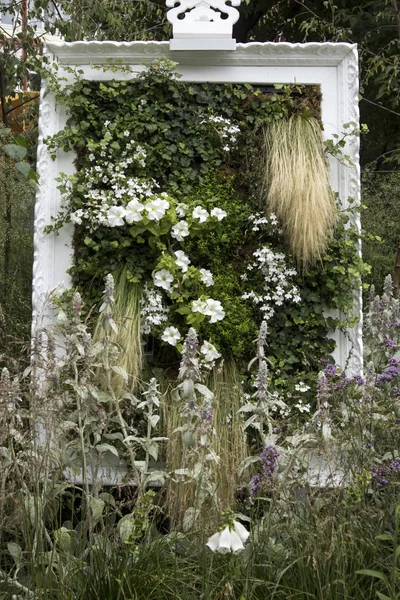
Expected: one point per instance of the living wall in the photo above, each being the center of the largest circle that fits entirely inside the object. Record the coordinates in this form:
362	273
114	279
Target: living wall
170	197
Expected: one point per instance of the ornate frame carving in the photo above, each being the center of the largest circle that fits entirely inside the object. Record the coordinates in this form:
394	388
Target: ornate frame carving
333	66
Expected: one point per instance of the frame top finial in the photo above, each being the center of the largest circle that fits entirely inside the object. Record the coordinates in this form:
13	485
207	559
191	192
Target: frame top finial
202	24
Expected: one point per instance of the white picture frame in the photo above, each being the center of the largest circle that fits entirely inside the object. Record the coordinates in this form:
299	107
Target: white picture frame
332	66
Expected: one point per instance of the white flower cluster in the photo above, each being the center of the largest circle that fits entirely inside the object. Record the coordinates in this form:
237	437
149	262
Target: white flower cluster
303	408
278	287
259	220
135	211
226	130
153	312
301	387
112	194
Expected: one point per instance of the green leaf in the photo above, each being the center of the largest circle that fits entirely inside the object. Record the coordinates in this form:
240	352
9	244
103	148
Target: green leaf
23	167
383	596
107	448
16	552
14	151
20	140
97	507
376	574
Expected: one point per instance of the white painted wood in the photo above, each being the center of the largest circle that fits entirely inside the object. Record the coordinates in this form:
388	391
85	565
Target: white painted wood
332	66
198	24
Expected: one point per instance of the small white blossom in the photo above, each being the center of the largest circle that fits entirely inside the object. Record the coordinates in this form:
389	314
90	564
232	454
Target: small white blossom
180	230
182	260
133	211
301	387
115	216
171	335
206	277
219	213
303	407
163	279
209	351
76	217
201	214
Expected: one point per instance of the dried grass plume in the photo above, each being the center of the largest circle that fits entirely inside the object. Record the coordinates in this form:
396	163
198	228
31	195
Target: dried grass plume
296	186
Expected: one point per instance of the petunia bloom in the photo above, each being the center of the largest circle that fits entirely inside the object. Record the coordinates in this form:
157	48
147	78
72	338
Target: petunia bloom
163	279
209	351
156	209
206	277
218	213
201	214
180	230
171	335
134	209
182	260
115	216
214	310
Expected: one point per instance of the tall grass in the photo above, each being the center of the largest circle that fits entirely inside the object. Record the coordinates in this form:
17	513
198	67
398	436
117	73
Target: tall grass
127	317
296	185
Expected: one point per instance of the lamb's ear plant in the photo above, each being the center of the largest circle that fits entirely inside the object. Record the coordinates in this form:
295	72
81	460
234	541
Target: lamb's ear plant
196	475
296	185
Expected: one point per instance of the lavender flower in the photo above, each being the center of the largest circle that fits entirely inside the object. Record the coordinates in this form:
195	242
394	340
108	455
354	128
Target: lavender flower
330	370
389	343
346	381
385	474
269	463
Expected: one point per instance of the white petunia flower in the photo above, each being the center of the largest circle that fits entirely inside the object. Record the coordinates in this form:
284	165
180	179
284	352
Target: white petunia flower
115	216
182	260
180	230
219	213
156	209
199	306
181	210
209	351
206	277
133	211
163	279
201	214
214	310
171	335
229	540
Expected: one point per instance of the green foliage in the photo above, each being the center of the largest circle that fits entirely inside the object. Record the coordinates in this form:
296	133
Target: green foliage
177	127
381	218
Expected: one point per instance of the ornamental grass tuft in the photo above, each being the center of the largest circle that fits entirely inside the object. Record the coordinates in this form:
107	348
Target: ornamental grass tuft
296	185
